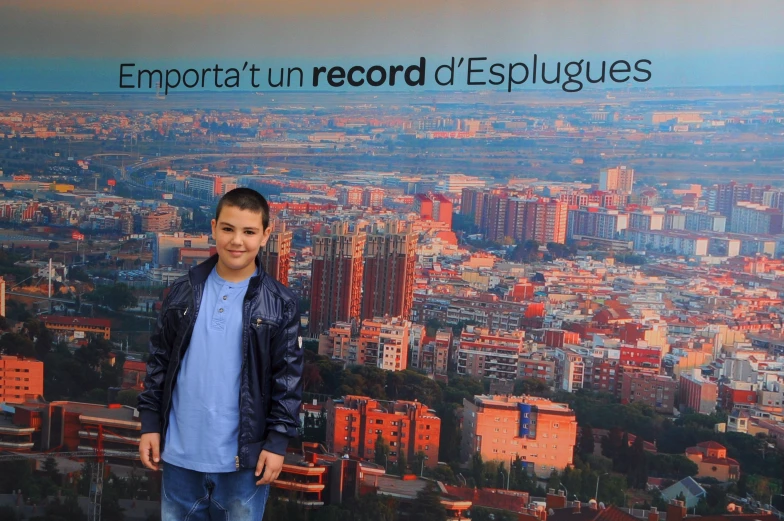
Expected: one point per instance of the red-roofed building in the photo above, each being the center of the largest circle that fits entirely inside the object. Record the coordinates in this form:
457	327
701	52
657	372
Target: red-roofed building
712	461
77	327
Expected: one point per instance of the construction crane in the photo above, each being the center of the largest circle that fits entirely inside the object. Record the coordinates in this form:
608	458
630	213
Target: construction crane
96	467
96	483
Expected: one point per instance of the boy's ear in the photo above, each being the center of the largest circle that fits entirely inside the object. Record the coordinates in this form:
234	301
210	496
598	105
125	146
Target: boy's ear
266	235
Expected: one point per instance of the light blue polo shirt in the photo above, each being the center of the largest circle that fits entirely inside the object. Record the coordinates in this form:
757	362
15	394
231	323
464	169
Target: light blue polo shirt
204	419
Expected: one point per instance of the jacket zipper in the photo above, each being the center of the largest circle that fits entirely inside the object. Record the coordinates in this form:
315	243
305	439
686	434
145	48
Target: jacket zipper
165	419
245	342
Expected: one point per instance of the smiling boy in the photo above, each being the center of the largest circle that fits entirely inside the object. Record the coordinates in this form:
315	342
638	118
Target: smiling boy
224	378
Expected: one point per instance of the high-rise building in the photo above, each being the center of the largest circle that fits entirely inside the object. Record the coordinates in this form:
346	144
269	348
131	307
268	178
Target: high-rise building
388	274
442	209
725	196
774	199
618	179
704	222
474	202
596	222
423	206
336	281
354	424
434	207
520	218
523	218
350	196
550	223
470	201
646	220
494	225
754	219
500	428
276	254
373	197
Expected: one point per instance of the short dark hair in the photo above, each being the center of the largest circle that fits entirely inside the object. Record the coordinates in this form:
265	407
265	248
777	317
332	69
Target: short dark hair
245	199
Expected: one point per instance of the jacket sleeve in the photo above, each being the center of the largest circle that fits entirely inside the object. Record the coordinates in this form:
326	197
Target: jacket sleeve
149	401
287	364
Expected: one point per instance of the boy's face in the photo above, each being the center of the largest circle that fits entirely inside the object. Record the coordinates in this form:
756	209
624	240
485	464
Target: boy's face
238	235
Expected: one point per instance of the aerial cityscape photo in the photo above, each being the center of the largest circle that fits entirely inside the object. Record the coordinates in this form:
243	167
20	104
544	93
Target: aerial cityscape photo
522	304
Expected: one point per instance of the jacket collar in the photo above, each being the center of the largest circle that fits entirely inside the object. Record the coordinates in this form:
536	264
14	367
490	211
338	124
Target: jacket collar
198	274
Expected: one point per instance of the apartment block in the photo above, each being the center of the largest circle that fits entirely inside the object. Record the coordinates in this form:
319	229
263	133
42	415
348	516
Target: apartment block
388	273
336	281
483	353
656	391
697	393
501	428
354	423
20	377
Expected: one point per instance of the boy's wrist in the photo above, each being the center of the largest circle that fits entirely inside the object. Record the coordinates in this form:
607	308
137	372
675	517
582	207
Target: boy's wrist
151	421
276	443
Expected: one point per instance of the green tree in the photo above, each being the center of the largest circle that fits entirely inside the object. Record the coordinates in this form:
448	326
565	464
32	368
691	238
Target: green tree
402	464
531	386
380	451
51	470
118	296
417	463
554	481
8	513
586	445
127	397
65	510
428	504
432	326
477	470
611	443
15	344
41	336
637	467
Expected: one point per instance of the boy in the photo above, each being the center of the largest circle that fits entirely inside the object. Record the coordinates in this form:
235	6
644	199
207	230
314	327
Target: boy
224	379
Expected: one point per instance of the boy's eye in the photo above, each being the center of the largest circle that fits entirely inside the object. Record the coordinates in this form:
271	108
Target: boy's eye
227	229
249	232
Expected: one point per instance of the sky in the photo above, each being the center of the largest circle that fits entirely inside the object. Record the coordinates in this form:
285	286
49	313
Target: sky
79	44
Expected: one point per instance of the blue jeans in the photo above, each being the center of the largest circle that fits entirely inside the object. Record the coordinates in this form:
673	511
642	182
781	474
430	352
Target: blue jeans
187	495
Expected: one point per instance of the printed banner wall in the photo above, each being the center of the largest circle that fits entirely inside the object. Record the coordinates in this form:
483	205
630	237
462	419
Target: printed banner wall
526	196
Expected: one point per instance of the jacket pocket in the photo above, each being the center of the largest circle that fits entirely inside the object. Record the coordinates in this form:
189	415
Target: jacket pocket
263	328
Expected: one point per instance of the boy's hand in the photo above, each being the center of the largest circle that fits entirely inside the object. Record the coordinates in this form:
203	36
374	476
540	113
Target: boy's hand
149	450
272	464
